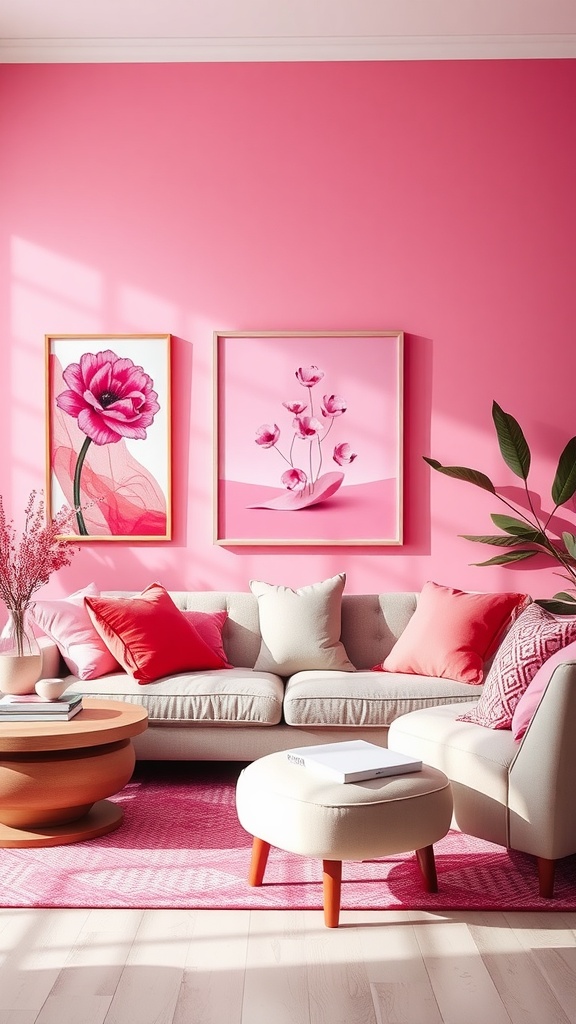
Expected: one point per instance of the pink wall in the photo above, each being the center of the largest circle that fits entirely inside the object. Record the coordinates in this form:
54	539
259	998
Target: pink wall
435	197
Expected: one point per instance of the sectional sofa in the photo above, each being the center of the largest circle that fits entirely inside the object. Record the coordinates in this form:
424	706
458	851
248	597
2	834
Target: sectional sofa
242	712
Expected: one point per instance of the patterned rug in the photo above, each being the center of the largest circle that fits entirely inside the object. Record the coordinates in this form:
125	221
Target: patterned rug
181	846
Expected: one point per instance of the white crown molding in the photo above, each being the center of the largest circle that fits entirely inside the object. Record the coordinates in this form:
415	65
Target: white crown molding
297	48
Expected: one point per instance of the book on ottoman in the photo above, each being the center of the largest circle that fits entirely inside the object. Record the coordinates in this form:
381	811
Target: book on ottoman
352	760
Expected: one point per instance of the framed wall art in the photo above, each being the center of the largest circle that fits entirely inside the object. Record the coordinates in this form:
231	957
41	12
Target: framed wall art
108	434
308	432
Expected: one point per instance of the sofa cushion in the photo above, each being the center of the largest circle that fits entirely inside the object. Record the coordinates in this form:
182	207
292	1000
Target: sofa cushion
530	699
210	625
223	697
534	637
452	633
301	628
149	636
368	699
68	625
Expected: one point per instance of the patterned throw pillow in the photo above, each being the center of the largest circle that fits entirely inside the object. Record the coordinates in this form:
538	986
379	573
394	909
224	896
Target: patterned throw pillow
535	636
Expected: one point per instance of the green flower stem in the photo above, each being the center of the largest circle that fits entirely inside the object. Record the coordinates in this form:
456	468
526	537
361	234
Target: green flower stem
79	517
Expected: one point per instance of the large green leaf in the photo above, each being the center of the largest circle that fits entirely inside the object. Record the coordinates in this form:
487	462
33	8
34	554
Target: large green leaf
564	595
471	476
570	543
564	486
500	541
564	606
511	556
516	527
513	446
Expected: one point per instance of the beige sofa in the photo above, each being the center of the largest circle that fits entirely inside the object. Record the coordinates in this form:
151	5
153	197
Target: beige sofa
239	714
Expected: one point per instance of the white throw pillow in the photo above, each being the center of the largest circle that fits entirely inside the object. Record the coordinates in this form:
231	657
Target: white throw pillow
301	629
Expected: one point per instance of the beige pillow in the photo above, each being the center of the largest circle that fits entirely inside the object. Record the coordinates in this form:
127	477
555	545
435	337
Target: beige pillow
301	628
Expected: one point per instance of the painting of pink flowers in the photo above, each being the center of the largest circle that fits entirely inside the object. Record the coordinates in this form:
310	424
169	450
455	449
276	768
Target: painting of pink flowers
108	406
308	438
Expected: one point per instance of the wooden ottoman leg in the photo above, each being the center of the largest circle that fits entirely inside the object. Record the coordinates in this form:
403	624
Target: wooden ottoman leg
332	884
427	866
260	851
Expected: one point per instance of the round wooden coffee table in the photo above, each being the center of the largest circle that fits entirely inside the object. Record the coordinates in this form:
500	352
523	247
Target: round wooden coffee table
54	776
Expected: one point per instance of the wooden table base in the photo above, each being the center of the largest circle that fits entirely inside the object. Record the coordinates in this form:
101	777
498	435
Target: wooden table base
56	777
104	816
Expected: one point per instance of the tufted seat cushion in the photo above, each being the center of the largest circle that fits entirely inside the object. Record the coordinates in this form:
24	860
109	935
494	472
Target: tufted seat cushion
324	698
233	696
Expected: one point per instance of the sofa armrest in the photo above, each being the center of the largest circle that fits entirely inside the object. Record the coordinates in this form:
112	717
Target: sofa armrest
542	775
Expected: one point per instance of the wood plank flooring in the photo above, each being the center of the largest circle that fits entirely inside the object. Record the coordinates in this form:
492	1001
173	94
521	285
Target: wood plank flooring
284	967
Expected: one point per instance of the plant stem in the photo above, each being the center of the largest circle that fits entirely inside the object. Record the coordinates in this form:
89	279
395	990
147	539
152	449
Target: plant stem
80	462
546	542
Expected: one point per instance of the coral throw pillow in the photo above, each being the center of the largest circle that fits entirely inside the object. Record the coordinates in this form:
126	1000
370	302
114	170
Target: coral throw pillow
530	699
452	633
533	639
210	626
68	625
149	636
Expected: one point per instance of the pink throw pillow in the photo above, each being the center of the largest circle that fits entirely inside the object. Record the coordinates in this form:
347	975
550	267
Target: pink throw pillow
68	625
149	636
530	699
534	638
210	626
452	633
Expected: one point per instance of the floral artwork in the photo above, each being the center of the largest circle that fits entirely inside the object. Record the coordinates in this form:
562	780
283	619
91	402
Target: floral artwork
308	423
109	433
307	486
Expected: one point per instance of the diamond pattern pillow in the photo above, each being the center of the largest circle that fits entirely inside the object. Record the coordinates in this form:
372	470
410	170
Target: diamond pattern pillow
535	636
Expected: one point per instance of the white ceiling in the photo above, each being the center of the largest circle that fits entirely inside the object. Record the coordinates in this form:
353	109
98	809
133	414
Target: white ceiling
260	30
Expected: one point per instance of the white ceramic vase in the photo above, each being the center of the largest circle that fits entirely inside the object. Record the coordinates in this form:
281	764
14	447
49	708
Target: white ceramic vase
20	657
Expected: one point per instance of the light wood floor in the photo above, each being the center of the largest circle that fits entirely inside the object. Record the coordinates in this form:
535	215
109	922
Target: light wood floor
283	967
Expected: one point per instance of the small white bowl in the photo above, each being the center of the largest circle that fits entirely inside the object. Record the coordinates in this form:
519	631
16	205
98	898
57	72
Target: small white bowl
50	689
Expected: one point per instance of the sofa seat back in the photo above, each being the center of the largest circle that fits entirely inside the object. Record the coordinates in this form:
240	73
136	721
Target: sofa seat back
371	623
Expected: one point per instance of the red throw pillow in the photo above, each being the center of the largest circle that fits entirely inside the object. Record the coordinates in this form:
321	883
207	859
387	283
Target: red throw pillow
534	638
210	626
149	636
452	633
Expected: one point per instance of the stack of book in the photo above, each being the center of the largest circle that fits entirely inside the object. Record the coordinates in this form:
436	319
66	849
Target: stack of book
30	707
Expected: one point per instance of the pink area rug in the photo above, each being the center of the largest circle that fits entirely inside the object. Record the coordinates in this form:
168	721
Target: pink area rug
180	846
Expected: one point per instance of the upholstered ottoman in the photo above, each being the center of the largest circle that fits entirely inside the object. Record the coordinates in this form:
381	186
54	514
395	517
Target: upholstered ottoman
284	805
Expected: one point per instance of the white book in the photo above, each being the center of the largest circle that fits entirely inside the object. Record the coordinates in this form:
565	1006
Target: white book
352	760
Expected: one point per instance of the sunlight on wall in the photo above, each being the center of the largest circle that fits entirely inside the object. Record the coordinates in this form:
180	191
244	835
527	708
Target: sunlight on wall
137	306
50	289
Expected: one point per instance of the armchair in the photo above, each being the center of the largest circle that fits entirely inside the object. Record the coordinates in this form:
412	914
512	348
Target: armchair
521	795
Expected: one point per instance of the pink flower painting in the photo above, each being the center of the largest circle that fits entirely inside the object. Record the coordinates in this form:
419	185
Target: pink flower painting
306	486
103	402
308	438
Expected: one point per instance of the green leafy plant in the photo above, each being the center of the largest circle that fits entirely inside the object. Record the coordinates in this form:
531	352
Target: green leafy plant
525	533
